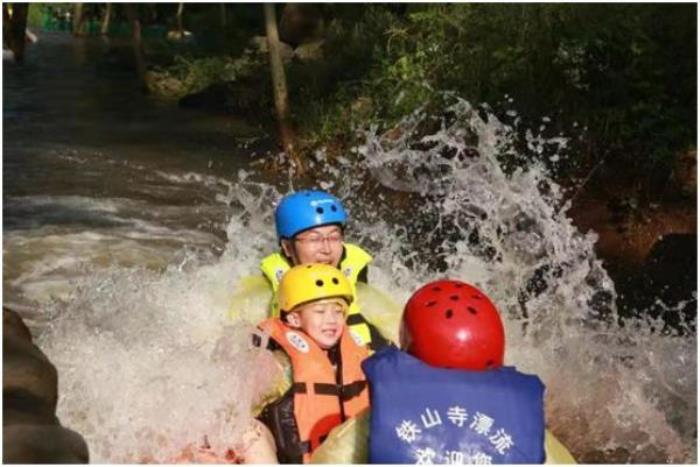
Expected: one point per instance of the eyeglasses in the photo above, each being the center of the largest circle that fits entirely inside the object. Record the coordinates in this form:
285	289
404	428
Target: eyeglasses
315	241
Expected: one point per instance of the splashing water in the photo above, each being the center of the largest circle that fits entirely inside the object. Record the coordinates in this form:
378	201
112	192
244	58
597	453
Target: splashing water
148	362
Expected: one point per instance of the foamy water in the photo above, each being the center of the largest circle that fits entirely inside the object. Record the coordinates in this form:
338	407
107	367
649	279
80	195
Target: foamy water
149	363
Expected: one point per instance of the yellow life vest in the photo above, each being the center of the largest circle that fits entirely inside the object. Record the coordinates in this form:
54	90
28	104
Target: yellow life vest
355	260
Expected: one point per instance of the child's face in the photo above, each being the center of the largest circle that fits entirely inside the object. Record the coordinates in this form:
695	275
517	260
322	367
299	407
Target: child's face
318	245
323	320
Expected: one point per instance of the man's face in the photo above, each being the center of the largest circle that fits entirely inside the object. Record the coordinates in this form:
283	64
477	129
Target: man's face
323	321
318	245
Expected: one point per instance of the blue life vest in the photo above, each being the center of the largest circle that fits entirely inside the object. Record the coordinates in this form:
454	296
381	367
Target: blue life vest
423	414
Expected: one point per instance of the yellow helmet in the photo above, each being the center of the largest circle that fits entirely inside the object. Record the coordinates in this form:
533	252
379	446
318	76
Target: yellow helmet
310	282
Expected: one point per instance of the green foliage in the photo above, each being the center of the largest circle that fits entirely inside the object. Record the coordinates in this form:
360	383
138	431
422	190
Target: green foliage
327	96
36	14
198	73
620	79
195	73
52	16
625	72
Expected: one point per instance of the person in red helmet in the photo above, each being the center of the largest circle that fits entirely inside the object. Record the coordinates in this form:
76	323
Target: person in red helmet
447	398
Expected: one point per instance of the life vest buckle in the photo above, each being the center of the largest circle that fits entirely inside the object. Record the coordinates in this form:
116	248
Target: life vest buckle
260	339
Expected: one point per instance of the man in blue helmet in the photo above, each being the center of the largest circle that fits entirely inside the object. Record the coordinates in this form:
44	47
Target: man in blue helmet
310	226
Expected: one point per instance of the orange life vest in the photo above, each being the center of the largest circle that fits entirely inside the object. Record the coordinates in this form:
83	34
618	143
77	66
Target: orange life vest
321	402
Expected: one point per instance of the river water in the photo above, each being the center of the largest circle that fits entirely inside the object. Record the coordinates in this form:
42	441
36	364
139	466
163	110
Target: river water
128	222
96	173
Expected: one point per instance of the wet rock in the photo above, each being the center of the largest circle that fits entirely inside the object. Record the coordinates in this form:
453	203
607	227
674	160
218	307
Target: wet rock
362	106
21	407
665	284
42	444
310	51
13	325
164	84
684	176
31	431
286	52
674	256
626	234
26	367
259	43
616	456
671	272
300	22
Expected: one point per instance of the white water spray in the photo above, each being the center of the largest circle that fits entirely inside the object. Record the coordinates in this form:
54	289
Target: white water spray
149	364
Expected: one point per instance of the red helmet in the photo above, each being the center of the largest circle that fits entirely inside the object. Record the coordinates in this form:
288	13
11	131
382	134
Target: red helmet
451	324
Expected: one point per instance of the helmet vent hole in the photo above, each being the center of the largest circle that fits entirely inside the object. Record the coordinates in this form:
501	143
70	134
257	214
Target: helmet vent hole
430	303
437	289
309	266
454	298
471	310
458	286
319	283
489	363
335	280
333	208
477	297
448	314
319	210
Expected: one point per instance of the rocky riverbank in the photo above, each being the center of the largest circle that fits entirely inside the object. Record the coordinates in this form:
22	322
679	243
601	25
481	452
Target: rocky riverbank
32	434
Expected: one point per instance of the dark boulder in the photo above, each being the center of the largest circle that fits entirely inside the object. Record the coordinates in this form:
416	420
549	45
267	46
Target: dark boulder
13	325
31	431
42	444
300	22
25	367
21	407
666	284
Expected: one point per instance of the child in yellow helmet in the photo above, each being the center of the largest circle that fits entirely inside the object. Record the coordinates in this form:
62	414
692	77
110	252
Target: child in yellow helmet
328	385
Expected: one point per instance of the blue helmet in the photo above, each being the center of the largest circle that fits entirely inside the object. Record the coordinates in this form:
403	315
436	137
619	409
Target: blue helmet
307	209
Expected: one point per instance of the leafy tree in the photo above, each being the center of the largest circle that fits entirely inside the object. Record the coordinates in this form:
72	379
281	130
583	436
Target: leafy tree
626	73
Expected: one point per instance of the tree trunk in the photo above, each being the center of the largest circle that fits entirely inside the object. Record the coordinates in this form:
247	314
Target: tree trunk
78	20
6	26
105	19
18	28
180	27
153	11
279	88
223	15
133	16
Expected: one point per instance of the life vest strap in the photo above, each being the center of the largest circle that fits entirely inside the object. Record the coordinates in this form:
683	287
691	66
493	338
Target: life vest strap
305	447
325	389
353	389
346	392
354	319
264	341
